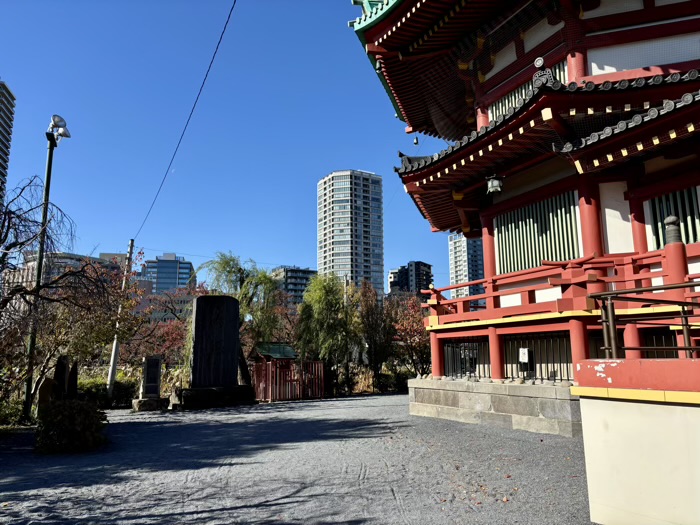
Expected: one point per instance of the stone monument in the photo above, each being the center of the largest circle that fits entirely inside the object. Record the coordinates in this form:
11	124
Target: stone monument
215	355
149	393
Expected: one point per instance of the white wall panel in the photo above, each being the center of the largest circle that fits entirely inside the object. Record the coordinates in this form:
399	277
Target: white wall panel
635	55
617	228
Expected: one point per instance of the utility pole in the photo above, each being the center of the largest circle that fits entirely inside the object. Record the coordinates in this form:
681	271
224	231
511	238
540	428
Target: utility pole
114	361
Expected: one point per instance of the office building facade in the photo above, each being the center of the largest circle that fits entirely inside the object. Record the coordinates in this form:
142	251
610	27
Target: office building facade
412	278
168	272
293	281
351	227
7	116
466	264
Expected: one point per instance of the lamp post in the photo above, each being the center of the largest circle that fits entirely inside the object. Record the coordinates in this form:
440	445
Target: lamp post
57	131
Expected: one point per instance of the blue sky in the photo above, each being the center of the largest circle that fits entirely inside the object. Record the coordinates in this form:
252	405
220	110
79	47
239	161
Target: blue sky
291	97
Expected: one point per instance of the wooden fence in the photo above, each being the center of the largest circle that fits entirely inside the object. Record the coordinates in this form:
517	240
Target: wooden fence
284	380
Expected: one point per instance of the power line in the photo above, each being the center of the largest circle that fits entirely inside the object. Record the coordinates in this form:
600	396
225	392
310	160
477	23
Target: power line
206	75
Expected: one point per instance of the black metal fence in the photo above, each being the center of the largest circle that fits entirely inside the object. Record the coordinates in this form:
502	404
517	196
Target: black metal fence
545	356
467	357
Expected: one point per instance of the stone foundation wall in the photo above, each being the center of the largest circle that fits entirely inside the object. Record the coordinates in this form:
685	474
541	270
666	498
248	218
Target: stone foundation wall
545	409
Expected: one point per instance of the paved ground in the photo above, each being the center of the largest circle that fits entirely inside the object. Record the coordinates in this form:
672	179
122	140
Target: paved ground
353	461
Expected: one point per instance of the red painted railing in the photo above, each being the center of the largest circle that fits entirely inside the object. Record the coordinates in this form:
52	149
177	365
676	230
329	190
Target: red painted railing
562	287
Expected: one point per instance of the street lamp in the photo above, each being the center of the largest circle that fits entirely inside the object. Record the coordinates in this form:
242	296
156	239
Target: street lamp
57	131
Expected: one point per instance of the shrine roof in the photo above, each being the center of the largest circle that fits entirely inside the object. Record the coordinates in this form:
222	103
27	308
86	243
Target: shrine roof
411	164
591	127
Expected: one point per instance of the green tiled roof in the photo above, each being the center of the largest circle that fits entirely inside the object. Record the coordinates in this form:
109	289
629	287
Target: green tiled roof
276	351
372	12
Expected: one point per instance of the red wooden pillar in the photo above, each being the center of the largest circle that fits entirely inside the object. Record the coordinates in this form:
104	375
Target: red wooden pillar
496	354
591	229
675	266
639	232
579	343
576	65
482	117
632	337
488	242
437	356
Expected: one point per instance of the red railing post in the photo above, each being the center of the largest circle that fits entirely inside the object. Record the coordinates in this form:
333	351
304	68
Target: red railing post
579	343
437	356
675	267
496	354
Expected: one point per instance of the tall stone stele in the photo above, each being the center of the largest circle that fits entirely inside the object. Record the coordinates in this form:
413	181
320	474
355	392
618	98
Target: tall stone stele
215	344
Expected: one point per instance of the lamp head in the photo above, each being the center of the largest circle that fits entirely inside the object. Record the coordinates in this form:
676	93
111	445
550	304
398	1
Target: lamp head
57	122
493	184
63	132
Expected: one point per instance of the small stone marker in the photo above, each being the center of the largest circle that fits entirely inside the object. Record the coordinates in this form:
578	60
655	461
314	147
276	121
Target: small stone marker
150	381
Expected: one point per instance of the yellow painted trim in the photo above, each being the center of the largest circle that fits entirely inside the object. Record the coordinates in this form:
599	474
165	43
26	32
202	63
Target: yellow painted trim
432	301
544	317
588	391
547	114
631	394
637	395
690	398
579	168
432	320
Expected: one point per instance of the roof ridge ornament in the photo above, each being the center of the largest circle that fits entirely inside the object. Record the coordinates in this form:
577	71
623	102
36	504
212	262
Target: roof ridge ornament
544	75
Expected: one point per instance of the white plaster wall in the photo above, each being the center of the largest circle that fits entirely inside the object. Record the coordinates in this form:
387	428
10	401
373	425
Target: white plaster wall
540	32
669	2
634	55
656	281
510	300
642	462
617	228
611	7
502	59
550	294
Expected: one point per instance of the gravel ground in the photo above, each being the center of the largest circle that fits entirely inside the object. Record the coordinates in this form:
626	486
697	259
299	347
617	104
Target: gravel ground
351	461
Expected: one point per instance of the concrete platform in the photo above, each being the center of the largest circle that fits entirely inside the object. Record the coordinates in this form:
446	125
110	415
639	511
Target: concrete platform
544	409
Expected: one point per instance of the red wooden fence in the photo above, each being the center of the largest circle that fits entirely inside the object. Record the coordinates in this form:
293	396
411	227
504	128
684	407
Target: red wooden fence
283	380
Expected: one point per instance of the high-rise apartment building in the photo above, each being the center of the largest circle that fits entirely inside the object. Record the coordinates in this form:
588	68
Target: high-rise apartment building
168	272
351	227
7	116
414	277
466	264
293	280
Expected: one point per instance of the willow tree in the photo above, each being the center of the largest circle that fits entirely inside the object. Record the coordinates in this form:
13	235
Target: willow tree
259	298
329	324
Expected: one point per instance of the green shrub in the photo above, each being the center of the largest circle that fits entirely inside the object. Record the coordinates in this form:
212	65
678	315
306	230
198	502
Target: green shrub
401	378
95	391
70	426
11	412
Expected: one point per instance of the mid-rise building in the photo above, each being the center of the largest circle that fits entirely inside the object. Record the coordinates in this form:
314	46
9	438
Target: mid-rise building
466	264
55	264
293	280
351	227
7	116
168	272
412	278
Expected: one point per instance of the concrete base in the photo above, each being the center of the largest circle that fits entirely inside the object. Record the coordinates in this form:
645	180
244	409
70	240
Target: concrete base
642	461
198	398
545	409
149	405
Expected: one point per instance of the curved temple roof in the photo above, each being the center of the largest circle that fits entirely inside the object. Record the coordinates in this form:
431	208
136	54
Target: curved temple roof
593	126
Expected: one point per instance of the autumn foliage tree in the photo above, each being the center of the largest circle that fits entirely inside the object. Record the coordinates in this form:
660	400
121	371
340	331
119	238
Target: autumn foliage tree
412	341
74	307
378	328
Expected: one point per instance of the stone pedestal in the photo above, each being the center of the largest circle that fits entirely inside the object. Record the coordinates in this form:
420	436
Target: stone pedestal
546	409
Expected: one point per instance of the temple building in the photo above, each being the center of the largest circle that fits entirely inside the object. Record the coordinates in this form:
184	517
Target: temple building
573	157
